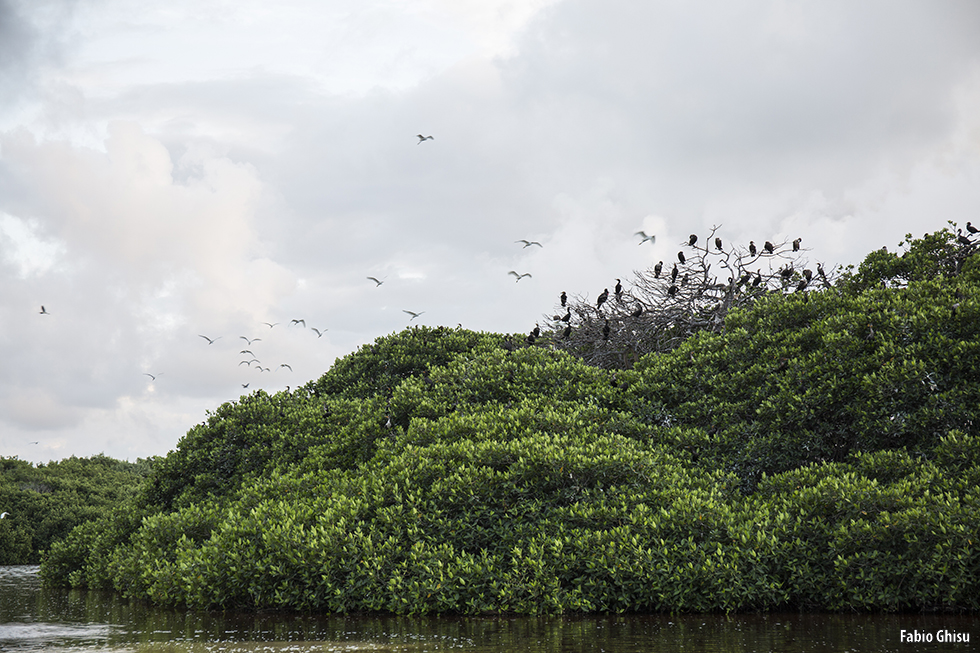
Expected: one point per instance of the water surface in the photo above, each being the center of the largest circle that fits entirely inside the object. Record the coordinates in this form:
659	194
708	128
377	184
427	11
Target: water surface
33	618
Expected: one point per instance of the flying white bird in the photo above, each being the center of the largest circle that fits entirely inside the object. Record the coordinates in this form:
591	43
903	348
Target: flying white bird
270	324
319	334
422	139
153	376
210	340
303	322
377	281
528	243
284	365
642	234
250	341
413	314
519	276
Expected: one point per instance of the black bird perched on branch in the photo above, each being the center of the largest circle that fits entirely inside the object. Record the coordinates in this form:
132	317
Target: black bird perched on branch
796	244
745	279
693	239
680	257
768	247
605	331
536	331
822	274
752	250
566	317
603	296
672	291
801	286
808	273
618	289
657	269
971	228
563	298
673	274
718	243
961	239
757	281
565	332
786	272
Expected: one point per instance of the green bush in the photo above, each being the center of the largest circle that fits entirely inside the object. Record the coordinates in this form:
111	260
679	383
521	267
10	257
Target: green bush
821	453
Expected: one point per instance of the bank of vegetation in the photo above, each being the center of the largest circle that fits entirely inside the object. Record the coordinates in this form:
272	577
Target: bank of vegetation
820	452
45	502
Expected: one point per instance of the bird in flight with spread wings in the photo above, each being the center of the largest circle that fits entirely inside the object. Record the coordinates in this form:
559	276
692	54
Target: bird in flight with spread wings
519	276
211	340
422	139
528	243
413	313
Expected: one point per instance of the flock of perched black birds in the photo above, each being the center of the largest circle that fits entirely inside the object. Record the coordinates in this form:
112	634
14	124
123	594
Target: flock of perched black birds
678	278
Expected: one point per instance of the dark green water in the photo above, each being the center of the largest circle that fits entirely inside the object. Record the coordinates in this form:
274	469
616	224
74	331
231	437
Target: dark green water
33	619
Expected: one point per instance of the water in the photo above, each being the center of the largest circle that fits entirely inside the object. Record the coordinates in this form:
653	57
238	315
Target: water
34	619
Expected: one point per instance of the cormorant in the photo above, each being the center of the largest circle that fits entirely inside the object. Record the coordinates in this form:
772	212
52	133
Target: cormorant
971	228
745	279
768	247
961	239
821	273
680	257
673	274
566	317
672	291
564	298
757	280
693	239
808	273
657	269
605	331
618	289
786	272
536	331
718	243
801	286
796	244
567	330
752	250
603	296
529	339
684	280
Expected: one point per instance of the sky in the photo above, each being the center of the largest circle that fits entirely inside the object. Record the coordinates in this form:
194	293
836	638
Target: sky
201	168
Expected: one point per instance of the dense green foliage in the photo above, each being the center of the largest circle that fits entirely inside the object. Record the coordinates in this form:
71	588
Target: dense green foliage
820	453
47	501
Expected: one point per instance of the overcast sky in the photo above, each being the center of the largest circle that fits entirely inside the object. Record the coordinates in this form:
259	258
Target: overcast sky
171	170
